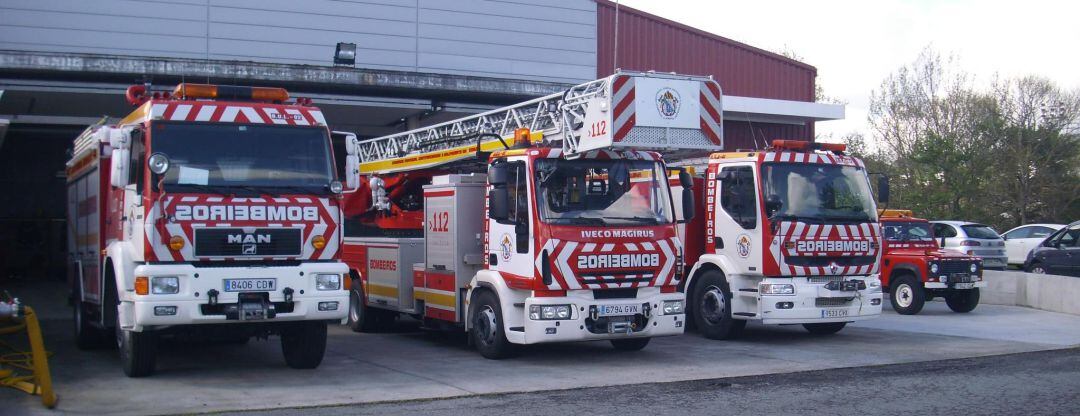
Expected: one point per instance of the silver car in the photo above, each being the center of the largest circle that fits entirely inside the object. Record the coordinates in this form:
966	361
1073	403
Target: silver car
973	239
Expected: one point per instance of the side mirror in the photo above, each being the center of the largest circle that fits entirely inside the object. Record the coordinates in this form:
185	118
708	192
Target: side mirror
724	175
120	142
497	174
352	159
685	179
499	203
883	189
687	202
773	204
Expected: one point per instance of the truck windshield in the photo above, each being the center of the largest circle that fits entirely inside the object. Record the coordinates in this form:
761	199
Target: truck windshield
263	157
801	191
906	231
590	191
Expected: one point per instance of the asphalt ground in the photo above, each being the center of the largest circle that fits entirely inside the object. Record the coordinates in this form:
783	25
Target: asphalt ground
408	364
1037	383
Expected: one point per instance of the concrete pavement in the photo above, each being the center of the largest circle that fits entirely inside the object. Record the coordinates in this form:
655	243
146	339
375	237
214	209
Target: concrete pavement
362	368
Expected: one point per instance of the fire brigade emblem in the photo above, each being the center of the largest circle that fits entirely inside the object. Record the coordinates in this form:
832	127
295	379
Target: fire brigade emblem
506	245
668	102
742	245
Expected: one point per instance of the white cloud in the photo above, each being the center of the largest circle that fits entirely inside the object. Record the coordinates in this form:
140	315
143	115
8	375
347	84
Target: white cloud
856	44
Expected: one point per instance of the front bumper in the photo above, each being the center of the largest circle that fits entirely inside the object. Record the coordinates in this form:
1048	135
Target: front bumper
940	285
582	327
813	303
193	305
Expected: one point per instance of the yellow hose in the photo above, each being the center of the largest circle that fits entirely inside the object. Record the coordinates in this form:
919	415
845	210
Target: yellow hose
34	361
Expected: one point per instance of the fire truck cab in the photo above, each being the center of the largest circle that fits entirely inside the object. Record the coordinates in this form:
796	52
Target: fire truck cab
790	236
208	211
914	269
559	227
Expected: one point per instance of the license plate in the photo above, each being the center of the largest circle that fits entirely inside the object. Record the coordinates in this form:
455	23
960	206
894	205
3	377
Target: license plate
964	285
834	313
618	310
250	285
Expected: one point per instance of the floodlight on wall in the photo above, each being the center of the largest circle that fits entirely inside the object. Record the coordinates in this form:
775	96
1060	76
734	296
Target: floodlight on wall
345	54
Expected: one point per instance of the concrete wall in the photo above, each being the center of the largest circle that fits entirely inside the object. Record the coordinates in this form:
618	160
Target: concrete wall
1039	291
550	40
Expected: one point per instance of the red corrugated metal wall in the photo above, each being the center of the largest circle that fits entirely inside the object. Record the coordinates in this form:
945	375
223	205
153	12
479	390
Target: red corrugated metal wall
648	42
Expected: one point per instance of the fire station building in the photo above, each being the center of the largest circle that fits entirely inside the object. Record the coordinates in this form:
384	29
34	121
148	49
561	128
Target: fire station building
373	66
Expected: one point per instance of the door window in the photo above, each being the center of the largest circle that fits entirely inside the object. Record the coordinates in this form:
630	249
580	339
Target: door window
1040	232
738	195
136	164
1019	233
944	230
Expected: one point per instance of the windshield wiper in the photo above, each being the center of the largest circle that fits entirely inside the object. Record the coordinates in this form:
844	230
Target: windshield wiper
797	218
638	219
580	220
224	191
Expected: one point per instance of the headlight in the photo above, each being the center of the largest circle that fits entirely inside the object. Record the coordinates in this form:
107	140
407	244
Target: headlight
328	281
549	312
933	268
165	285
777	289
673	307
974	268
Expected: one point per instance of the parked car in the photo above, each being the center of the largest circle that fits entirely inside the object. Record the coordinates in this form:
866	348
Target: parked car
1021	240
973	239
1059	254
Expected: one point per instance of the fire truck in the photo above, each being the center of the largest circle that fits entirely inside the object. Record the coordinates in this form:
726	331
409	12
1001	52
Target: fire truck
914	269
789	236
211	211
546	221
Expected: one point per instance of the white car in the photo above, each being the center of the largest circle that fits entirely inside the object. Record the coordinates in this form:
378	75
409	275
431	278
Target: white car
973	239
1020	240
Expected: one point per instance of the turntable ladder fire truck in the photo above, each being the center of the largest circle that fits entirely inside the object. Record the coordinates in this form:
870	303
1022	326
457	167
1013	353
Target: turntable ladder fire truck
545	221
790	237
210	211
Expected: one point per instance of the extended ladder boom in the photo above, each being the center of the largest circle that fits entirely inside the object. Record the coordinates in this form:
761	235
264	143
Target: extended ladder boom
645	111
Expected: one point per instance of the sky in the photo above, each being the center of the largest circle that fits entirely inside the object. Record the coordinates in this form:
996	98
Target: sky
855	45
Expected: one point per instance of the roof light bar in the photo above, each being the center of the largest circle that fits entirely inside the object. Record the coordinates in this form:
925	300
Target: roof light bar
802	145
209	91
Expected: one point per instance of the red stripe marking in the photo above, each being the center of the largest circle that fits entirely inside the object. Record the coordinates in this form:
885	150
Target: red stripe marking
439	193
169	110
440	314
619	82
440	280
714	87
621	133
621	105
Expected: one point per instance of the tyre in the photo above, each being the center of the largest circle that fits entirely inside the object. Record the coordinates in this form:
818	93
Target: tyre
138	350
631	344
486	329
303	344
361	318
711	307
1036	268
825	328
907	295
87	336
963	301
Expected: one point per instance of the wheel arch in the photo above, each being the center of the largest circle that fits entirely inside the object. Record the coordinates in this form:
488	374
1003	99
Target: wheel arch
706	263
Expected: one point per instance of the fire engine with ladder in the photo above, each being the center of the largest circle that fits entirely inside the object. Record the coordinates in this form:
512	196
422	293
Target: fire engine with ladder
211	211
790	236
547	221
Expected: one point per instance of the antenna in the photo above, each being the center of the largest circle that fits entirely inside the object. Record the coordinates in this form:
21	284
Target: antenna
615	50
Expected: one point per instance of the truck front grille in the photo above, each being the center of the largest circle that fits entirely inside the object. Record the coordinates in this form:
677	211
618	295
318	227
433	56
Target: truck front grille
234	242
831	302
953	267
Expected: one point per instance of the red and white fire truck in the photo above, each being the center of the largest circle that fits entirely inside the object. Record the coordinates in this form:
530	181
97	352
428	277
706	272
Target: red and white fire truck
790	237
556	225
207	205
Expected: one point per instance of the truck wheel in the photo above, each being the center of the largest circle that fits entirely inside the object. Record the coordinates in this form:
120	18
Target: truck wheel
361	318
87	336
907	295
631	344
825	328
138	350
304	343
711	307
963	301
486	329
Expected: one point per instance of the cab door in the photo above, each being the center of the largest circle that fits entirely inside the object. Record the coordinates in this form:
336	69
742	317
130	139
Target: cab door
510	242
737	231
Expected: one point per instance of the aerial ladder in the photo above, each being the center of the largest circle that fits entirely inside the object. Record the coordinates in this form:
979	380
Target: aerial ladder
548	220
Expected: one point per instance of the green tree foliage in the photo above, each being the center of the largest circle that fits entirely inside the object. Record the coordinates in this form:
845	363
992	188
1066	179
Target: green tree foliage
1005	155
